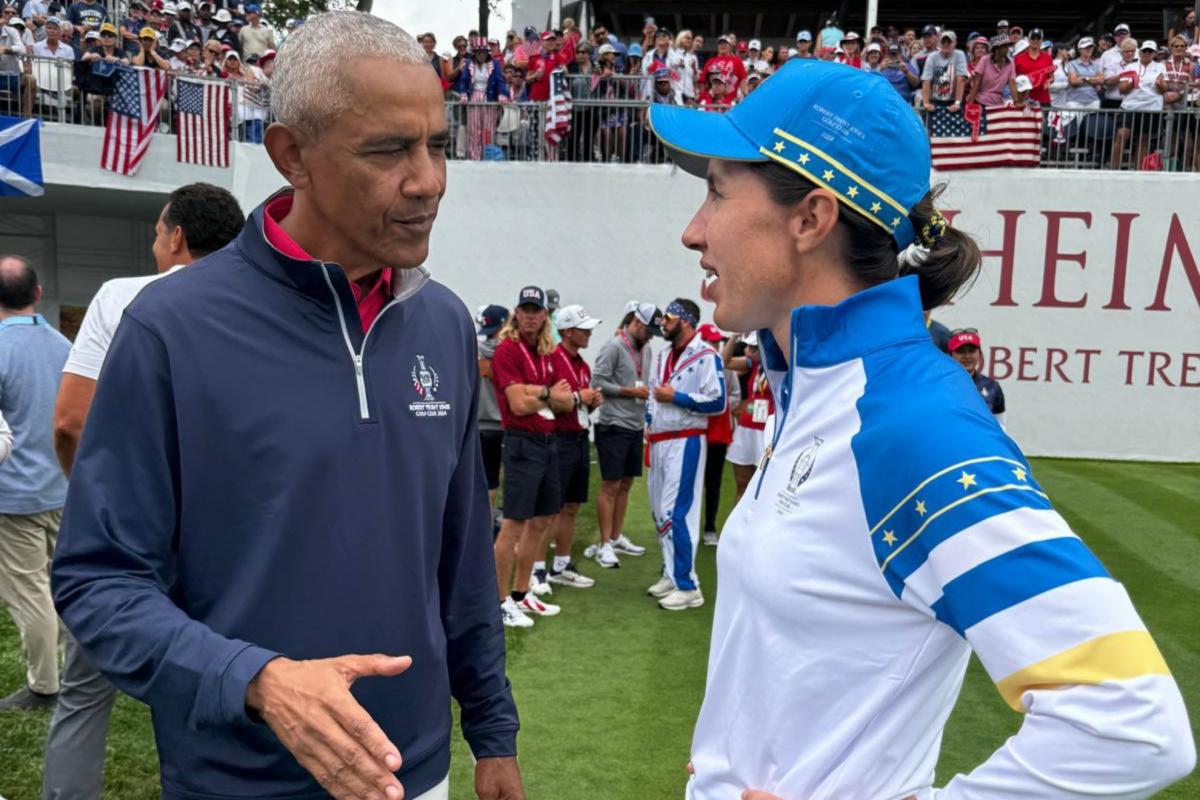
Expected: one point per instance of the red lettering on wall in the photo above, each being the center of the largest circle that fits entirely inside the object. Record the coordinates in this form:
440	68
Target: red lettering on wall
1055	358
1130	356
1087	363
1120	261
1176	241
1157	369
1008	255
1053	256
1188	367
1025	359
1000	357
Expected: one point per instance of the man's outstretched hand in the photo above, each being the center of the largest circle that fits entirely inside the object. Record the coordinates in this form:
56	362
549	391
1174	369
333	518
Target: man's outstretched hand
309	707
498	779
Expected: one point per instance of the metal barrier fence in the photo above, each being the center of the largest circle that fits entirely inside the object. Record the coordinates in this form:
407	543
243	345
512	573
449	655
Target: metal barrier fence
607	124
61	90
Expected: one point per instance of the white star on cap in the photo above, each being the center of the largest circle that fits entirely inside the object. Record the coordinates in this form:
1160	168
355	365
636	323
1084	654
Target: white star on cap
852	191
803	159
876	208
827	175
779	146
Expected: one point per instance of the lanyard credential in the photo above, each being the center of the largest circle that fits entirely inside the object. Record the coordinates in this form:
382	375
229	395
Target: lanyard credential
580	381
637	362
539	369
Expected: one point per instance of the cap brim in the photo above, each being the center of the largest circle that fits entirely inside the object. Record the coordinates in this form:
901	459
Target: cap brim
696	136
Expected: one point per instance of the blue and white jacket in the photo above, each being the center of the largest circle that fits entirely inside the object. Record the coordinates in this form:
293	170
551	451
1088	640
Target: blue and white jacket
698	378
893	530
256	478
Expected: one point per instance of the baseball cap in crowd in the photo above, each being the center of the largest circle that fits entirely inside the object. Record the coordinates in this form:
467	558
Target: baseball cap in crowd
92	35
929	30
546	35
253	9
1122	28
649	315
851	37
552	299
491	319
804	36
893	47
1024	84
1086	41
1036	33
755	44
1149	44
16	22
55	21
710	333
951	35
874	47
877	164
169	8
635	51
267	56
662	74
108	27
575	317
605	49
726	38
178	46
183	6
966	336
222	15
147	33
741	47
1002	23
1015	29
532	296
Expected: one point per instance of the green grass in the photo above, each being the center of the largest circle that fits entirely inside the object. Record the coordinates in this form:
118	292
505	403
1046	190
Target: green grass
609	690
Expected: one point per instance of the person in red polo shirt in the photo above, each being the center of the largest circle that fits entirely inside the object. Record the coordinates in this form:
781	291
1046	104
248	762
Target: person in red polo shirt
1038	64
529	396
571	434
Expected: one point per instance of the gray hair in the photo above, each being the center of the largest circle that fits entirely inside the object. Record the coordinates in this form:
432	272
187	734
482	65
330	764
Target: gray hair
308	86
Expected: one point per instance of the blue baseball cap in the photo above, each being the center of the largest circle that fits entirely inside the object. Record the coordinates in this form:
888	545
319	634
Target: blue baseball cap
635	51
841	128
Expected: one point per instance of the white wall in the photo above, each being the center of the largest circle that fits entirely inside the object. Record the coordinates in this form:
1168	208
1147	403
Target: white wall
605	234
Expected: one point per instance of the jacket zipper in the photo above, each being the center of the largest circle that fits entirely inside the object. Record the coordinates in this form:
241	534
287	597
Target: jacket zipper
360	380
785	398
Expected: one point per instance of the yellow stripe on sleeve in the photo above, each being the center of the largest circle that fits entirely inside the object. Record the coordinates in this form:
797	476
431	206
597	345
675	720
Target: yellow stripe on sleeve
1113	657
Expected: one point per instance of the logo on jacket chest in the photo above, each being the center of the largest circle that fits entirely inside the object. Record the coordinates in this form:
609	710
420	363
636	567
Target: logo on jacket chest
788	498
426	383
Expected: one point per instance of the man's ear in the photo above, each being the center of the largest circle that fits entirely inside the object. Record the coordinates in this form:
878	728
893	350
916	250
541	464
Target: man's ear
178	241
285	147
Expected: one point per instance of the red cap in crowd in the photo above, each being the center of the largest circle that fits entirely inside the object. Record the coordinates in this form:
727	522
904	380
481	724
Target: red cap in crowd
547	35
962	338
710	333
741	47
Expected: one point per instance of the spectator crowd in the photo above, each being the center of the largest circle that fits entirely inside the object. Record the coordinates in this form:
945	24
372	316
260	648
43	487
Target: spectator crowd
611	83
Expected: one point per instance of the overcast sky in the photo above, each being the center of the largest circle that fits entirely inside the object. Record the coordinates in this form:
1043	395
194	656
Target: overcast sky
446	18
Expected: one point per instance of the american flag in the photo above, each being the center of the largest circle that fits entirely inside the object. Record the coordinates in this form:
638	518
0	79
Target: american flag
1000	136
132	118
203	108
558	107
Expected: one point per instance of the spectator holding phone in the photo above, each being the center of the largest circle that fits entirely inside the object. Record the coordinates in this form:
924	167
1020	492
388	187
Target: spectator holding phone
900	72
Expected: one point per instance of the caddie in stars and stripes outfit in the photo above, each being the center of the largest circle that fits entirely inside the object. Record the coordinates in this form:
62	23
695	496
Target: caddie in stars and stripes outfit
687	385
892	529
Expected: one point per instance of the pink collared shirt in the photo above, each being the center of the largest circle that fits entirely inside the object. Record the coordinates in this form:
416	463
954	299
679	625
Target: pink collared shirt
370	301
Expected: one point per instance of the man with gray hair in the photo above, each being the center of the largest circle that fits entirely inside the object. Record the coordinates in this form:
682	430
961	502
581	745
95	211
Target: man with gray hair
281	473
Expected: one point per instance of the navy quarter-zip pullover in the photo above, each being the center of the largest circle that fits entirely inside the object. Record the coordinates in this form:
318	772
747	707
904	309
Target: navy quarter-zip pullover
258	477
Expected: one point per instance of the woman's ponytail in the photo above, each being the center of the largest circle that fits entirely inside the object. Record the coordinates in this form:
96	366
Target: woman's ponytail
943	258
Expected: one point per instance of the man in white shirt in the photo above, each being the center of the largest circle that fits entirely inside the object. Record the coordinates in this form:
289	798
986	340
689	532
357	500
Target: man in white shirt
1141	84
1111	58
53	46
199	219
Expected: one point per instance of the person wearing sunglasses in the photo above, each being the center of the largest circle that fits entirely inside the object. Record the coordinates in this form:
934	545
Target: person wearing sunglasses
966	349
892	527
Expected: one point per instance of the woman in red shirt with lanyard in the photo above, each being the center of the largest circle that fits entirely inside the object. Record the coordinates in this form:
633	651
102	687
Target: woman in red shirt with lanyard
528	396
571	438
751	415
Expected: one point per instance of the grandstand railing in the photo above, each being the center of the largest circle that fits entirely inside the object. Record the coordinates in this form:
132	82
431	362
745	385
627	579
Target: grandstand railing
608	123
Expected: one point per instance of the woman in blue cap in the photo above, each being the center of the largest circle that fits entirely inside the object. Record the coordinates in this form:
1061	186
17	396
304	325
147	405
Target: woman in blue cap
892	527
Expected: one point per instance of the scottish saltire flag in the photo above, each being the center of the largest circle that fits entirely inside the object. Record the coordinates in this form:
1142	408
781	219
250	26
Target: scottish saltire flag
20	157
132	118
203	123
978	137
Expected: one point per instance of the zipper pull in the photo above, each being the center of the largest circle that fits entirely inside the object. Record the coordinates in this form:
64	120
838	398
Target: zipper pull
358	365
766	457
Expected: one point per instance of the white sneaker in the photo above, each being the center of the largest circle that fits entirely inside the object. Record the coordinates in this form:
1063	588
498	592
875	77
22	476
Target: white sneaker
538	583
532	605
680	600
623	545
513	616
591	550
710	538
663	588
607	558
569	577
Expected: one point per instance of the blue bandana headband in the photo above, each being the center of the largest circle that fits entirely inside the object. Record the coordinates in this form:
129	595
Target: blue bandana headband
677	310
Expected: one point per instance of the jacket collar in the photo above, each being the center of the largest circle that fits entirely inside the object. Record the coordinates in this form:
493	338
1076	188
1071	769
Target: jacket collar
306	276
864	322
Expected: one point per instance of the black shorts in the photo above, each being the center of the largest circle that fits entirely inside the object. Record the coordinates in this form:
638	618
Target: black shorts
619	451
531	479
491	444
574	466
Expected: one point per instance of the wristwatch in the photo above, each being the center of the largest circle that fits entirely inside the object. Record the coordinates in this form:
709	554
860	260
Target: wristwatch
578	399
545	394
